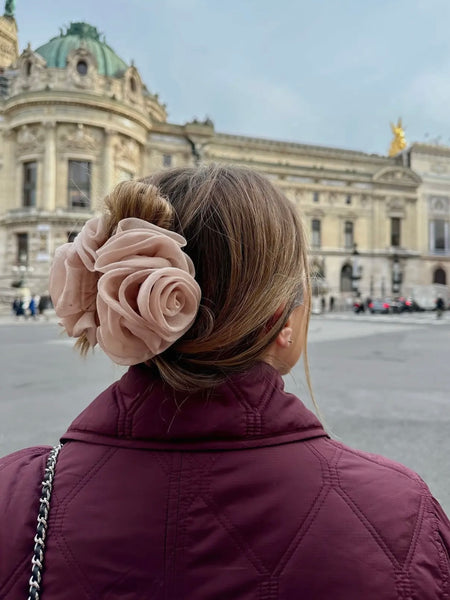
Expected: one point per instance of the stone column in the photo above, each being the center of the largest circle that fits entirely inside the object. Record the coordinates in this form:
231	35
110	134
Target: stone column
48	189
108	162
412	233
9	185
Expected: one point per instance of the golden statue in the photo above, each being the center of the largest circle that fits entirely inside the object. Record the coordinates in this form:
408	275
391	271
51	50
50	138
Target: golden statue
398	143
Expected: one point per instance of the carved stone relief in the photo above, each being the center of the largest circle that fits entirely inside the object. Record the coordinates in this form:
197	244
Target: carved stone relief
79	137
395	204
126	150
396	176
30	139
439	204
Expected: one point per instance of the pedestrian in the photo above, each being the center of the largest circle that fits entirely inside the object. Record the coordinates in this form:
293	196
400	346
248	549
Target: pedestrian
322	304
44	305
19	307
32	307
196	476
331	303
439	306
15	305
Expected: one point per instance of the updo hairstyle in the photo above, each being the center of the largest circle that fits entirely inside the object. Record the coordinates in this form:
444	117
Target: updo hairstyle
248	247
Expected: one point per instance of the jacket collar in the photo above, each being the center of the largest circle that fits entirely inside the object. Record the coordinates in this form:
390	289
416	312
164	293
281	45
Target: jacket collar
248	410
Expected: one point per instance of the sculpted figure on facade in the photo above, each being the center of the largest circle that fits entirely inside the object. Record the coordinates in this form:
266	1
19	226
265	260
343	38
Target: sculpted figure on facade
30	139
399	142
79	137
126	150
10	7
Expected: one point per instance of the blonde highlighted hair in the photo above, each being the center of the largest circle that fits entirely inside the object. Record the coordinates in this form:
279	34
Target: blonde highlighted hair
249	250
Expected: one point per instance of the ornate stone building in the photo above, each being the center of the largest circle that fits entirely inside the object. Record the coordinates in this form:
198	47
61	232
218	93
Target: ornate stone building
76	119
432	163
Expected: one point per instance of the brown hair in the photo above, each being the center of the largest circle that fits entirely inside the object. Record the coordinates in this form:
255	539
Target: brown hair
249	250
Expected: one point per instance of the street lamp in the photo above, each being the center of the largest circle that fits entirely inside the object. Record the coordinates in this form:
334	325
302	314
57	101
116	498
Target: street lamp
356	270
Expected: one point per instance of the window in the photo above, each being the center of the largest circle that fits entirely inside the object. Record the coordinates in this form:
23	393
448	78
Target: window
82	67
346	278
439	238
167	160
440	276
316	197
22	249
395	231
315	242
29	184
28	68
348	199
348	234
79	184
133	85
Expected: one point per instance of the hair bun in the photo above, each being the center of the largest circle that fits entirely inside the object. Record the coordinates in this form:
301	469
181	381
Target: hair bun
137	199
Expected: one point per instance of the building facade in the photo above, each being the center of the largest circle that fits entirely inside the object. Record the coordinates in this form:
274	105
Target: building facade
432	163
76	119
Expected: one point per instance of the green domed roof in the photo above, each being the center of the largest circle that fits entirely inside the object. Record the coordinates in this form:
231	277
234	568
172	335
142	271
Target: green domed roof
82	35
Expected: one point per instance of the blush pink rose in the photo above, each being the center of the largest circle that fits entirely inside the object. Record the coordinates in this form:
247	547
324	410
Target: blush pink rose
147	294
73	281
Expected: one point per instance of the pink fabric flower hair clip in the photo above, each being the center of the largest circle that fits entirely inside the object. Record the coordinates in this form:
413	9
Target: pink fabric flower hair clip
135	293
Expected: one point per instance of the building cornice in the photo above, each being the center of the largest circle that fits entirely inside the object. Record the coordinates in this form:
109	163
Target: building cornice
54	98
297	148
31	217
430	149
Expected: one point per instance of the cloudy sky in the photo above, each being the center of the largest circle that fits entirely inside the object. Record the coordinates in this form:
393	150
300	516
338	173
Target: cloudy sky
327	72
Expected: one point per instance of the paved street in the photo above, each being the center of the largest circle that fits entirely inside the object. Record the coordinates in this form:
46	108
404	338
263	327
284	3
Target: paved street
382	383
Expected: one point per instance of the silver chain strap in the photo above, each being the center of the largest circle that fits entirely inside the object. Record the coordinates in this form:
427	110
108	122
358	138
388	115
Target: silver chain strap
37	562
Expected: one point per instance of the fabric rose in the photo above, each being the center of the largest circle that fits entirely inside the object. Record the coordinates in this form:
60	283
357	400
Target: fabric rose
73	281
147	294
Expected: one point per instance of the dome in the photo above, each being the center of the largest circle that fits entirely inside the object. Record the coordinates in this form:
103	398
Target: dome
82	35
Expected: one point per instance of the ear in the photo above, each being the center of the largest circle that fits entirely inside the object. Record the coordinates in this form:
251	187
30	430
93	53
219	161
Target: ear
284	338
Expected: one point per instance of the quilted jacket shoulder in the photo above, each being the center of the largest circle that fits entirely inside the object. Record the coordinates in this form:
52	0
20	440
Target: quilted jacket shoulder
240	497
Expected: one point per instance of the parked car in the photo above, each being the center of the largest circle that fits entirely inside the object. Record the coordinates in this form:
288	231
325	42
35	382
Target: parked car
379	306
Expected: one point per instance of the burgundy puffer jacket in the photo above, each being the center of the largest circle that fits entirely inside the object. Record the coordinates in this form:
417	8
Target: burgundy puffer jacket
240	495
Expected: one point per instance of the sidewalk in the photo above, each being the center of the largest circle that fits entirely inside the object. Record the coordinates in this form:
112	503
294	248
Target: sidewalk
414	318
8	318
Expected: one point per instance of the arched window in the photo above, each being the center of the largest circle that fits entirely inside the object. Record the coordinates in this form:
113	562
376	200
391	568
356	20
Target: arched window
346	278
440	276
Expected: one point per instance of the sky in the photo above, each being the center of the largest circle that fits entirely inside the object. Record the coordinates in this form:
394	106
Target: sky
326	72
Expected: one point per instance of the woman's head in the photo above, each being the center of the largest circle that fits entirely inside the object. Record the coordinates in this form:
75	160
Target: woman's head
248	248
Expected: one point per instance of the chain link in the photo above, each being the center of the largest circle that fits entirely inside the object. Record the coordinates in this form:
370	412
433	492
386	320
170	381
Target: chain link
37	561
